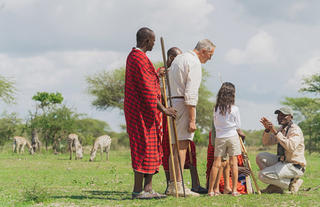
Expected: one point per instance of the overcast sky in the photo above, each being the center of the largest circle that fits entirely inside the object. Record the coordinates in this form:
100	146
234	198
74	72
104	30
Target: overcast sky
263	47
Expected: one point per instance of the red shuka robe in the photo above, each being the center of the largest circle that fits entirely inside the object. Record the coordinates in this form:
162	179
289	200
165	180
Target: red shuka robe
142	92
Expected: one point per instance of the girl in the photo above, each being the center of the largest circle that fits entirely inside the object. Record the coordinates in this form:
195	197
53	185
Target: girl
227	124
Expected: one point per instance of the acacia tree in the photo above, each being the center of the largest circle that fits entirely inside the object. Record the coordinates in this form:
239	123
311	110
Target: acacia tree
7	90
46	102
107	87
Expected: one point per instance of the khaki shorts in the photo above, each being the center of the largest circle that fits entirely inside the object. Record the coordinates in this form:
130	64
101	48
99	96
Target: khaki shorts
182	121
227	145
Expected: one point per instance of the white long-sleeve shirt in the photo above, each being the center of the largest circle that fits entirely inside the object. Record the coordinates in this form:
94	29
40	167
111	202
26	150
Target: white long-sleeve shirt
185	77
227	125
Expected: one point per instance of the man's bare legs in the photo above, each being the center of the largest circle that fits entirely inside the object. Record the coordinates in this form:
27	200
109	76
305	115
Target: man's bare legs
183	146
138	181
194	176
194	179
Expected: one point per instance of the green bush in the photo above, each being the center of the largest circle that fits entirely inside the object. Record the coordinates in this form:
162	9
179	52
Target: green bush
35	194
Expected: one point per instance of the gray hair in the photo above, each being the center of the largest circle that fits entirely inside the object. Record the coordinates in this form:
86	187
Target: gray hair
205	44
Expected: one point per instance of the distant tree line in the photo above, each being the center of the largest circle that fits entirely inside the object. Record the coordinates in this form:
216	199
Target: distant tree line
53	121
307	112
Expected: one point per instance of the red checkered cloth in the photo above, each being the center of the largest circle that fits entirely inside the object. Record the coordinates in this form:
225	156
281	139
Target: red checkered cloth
193	154
210	156
166	149
165	145
241	187
142	92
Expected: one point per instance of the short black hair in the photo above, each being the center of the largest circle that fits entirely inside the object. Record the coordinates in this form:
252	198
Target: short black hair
143	34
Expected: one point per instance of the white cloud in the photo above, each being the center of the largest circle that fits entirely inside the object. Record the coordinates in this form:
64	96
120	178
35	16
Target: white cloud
251	112
310	67
259	49
296	8
41	26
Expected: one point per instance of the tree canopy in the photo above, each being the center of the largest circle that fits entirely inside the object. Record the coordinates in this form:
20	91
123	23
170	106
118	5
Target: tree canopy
10	125
107	87
48	99
312	84
7	90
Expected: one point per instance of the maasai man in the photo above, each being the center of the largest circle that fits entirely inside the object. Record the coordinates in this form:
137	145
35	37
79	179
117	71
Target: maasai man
185	78
141	105
171	54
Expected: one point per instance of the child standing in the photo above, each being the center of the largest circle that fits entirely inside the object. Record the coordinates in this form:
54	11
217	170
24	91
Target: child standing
227	124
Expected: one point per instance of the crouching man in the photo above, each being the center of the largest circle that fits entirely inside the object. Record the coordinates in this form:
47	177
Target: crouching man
282	171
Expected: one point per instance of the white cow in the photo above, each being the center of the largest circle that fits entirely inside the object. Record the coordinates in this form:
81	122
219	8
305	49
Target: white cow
104	143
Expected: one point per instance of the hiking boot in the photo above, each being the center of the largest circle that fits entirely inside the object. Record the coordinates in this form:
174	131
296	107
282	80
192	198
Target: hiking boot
172	190
147	195
189	192
156	195
272	189
295	185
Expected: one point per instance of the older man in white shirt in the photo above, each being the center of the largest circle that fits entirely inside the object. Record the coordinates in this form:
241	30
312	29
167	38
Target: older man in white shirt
185	77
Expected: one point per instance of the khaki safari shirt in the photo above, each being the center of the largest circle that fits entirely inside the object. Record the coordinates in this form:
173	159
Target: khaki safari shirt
293	143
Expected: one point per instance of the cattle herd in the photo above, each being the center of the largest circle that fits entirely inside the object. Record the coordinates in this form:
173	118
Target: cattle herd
102	143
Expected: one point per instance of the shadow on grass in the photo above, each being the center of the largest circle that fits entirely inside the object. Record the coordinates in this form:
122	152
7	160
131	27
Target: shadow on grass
101	195
63	158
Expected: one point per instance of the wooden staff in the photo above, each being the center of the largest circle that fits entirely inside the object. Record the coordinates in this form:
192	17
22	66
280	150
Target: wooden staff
246	157
169	134
173	121
248	177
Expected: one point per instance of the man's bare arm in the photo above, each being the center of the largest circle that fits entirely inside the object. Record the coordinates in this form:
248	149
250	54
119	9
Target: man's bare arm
192	118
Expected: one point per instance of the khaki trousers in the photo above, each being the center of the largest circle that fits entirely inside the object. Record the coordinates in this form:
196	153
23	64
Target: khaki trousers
274	172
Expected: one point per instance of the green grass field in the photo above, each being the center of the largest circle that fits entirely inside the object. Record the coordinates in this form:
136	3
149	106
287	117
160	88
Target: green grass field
58	181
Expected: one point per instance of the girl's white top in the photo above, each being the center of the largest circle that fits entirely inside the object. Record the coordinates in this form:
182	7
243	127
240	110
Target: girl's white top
227	125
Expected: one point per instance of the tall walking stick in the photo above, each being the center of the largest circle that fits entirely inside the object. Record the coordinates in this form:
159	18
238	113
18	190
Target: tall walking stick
169	130
173	122
246	157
